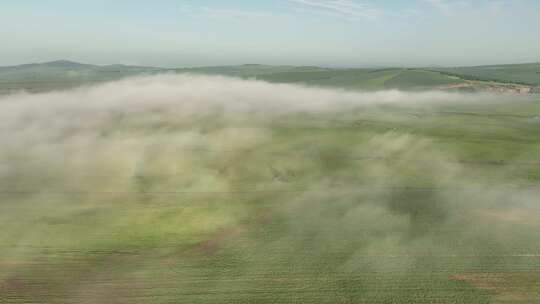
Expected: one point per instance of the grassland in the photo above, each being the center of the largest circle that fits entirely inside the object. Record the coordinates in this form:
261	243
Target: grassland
516	73
65	74
57	75
432	201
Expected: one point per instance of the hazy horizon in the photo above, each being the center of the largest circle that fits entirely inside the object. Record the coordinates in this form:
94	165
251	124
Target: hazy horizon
260	64
330	33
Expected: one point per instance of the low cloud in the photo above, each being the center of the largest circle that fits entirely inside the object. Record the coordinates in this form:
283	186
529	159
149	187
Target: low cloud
192	94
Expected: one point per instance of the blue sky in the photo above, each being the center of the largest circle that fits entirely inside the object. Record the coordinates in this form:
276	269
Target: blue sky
302	32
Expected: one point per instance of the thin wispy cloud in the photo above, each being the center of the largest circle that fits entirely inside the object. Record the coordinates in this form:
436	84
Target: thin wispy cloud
346	8
236	14
230	14
448	7
496	8
459	8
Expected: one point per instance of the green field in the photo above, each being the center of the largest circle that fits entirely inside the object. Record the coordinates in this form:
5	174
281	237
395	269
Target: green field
519	73
43	77
65	74
148	198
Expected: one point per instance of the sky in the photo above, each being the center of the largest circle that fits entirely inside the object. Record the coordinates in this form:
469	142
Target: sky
334	33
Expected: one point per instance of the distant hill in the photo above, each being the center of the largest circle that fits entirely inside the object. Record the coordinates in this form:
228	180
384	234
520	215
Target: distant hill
63	74
64	64
250	70
528	73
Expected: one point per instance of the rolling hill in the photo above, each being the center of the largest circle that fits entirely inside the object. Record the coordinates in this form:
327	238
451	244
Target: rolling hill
528	73
62	74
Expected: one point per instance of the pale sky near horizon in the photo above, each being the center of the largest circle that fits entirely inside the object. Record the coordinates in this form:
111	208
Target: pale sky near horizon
344	33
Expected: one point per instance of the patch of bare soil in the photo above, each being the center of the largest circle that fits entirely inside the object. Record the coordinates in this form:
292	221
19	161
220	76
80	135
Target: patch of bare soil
12	285
518	216
497	88
14	289
505	287
211	245
217	240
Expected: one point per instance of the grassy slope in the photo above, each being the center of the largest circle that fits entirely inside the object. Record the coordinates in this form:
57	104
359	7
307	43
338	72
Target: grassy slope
525	73
362	79
266	241
61	74
420	79
350	79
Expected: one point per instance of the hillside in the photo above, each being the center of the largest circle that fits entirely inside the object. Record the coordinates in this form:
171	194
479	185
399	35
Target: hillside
366	79
56	75
528	73
62	74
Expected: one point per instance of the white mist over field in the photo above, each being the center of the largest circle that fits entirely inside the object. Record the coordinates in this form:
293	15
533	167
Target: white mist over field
195	94
72	126
167	171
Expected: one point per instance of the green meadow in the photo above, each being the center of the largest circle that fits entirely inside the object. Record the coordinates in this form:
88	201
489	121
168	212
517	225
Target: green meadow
56	75
425	199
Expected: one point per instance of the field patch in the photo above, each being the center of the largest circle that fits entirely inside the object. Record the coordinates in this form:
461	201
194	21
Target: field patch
505	287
